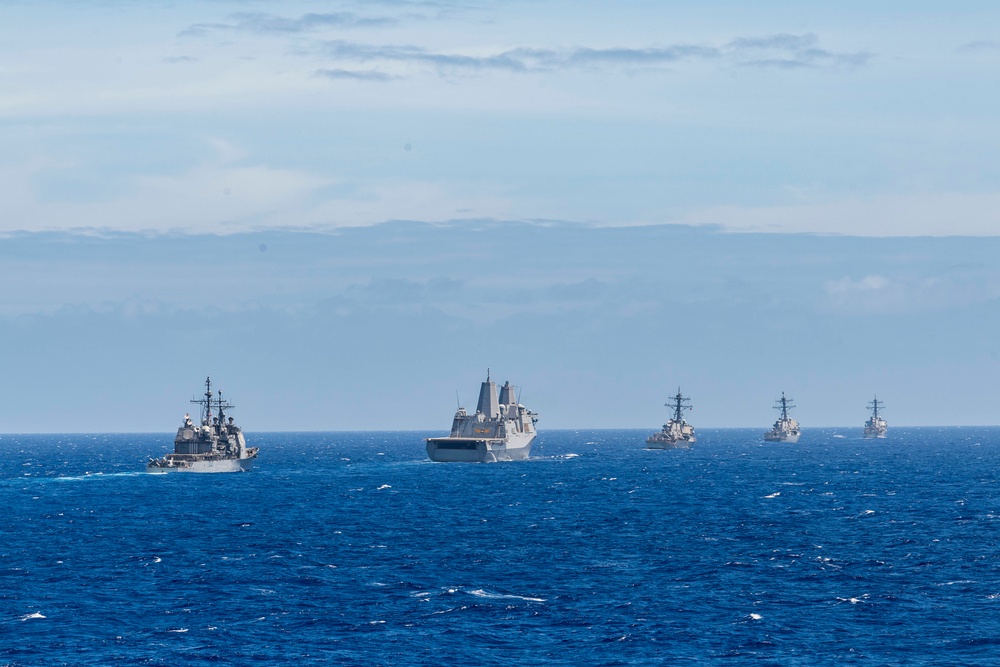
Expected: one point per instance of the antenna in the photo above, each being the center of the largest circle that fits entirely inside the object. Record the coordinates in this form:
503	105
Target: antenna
783	404
205	403
458	400
874	405
677	404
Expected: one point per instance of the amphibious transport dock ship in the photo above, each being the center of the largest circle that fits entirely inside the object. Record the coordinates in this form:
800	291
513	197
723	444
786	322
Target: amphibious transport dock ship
875	427
785	429
500	430
216	445
676	433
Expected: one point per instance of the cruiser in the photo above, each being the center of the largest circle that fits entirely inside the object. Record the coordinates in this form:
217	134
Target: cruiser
217	445
676	433
500	430
785	429
875	427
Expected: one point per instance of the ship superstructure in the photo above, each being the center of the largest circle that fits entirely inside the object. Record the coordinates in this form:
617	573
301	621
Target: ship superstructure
676	433
214	445
876	427
500	430
785	429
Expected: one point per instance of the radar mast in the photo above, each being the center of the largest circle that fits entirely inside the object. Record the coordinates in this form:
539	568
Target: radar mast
676	404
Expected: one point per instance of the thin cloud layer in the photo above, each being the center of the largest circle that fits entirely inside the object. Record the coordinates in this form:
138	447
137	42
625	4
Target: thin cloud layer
260	23
782	51
776	51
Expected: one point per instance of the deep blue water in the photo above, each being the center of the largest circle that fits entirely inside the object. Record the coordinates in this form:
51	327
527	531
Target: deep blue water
352	548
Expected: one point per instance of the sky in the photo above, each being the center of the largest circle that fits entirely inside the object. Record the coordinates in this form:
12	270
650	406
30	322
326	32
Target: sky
345	212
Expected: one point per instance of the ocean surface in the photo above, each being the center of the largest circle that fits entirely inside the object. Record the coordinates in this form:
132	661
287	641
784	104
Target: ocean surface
354	549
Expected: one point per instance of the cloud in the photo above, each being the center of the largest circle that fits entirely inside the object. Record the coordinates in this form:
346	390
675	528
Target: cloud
220	194
909	214
509	60
951	287
847	286
779	51
260	23
342	74
980	45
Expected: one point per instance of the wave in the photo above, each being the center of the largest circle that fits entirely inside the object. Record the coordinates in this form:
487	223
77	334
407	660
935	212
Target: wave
503	596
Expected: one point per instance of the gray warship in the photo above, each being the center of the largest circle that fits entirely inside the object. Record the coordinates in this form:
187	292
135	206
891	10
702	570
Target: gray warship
875	427
785	429
216	445
500	430
676	433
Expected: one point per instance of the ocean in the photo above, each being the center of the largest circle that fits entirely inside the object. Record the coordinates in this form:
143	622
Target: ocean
354	549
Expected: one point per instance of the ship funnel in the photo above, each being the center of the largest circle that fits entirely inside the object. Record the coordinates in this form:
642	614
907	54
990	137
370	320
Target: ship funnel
488	404
507	394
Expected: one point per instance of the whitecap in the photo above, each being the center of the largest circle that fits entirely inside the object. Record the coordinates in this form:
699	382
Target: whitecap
384	486
178	630
756	617
28	617
501	596
774	495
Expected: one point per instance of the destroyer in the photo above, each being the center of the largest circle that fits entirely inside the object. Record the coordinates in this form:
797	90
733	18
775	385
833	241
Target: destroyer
500	430
676	433
217	445
875	427
785	429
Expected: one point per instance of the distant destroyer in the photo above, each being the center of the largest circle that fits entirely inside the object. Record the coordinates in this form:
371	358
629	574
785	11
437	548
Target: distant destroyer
875	427
785	429
500	430
217	445
676	433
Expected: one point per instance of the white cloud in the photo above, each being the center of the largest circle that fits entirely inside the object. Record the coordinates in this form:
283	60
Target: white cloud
217	195
226	195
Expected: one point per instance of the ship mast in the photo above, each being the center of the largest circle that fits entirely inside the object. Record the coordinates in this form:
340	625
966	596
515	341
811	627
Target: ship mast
783	404
874	406
677	405
205	403
223	405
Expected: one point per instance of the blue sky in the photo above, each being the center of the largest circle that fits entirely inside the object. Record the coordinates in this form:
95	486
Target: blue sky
346	211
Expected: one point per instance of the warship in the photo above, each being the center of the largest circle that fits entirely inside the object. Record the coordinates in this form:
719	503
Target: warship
875	427
785	429
676	433
500	430
216	445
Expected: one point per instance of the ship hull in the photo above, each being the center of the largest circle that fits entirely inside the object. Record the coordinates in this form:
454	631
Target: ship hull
479	450
220	465
668	445
871	436
782	437
676	444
